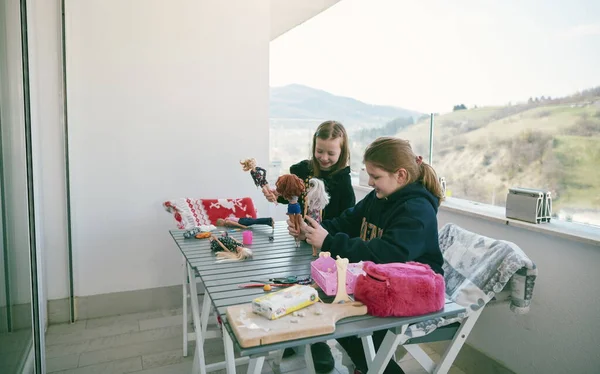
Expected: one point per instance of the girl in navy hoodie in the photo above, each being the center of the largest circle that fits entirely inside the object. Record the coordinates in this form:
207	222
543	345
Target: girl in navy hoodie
396	222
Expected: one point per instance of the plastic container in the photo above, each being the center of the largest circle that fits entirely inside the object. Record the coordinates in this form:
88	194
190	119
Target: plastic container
247	237
324	273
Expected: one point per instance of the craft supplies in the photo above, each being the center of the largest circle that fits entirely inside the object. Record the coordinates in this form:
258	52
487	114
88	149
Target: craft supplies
247	237
203	235
283	302
191	233
323	270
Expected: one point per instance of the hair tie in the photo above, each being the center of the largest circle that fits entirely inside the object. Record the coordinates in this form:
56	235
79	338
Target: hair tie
419	160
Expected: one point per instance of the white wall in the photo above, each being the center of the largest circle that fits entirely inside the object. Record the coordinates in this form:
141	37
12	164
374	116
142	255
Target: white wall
560	333
165	98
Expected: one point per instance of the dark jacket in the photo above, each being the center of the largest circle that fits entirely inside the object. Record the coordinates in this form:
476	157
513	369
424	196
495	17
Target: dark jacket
400	228
338	185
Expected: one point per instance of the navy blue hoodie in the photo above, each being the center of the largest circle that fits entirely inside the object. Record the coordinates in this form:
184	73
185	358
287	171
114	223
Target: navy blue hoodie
400	228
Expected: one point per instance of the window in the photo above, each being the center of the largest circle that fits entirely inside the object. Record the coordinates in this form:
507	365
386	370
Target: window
517	104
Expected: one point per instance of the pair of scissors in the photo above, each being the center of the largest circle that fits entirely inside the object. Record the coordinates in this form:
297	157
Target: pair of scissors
291	279
262	284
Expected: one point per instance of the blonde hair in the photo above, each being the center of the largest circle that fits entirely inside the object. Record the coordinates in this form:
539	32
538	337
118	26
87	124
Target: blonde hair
392	154
331	130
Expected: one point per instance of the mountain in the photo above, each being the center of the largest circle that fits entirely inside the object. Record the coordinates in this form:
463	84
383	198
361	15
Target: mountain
297	102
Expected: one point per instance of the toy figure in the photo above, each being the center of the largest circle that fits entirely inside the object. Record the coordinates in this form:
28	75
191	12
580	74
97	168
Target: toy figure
291	187
259	175
315	201
229	249
243	223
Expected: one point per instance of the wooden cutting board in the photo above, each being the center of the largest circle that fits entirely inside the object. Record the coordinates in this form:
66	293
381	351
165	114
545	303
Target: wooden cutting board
252	329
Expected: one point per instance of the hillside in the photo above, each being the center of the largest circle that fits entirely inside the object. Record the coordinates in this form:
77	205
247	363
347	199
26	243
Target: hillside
299	105
552	144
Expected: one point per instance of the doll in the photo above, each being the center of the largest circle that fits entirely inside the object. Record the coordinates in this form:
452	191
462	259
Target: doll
259	175
243	223
291	187
229	249
315	201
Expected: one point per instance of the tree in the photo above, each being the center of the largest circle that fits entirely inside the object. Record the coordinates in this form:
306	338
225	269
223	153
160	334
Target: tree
459	107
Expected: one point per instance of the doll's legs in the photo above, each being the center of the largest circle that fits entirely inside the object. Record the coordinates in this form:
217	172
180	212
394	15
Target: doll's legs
296	220
255	221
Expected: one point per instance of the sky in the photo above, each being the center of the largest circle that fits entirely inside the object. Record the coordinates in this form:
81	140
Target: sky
429	55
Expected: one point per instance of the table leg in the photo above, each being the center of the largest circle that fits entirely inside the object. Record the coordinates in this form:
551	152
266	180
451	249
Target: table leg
185	307
229	356
255	365
205	313
308	359
385	351
369	347
199	362
459	339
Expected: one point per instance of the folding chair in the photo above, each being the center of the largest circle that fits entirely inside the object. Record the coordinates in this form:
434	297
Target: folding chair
465	254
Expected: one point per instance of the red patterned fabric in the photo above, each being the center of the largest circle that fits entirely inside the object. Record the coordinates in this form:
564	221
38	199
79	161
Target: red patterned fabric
190	213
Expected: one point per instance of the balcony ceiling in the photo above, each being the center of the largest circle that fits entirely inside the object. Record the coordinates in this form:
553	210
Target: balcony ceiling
287	14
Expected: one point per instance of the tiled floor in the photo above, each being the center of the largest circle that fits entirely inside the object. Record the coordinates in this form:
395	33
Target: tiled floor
151	343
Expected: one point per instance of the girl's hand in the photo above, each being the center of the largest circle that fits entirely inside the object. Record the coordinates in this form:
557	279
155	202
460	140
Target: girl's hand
270	195
300	235
315	233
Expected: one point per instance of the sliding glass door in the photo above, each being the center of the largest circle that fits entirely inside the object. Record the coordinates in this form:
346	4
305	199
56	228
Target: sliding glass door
19	337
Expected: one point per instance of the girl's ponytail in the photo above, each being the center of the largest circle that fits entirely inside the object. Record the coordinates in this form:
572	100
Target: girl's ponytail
430	181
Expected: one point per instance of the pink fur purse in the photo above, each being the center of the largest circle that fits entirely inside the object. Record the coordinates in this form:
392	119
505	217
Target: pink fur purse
400	289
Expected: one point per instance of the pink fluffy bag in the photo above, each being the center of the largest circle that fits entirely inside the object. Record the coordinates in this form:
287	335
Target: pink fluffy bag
400	289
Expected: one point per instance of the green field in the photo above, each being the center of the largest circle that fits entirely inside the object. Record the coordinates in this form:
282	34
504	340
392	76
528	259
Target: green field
553	145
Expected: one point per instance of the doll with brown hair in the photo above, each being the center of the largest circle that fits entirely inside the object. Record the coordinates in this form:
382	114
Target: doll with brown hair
291	187
259	175
315	201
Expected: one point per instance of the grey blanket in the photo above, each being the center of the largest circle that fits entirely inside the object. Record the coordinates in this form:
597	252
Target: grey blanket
476	268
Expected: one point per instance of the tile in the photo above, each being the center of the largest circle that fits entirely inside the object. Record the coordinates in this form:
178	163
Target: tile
412	367
154	323
88	334
131	350
183	367
62	363
133	317
118	303
58	311
428	348
167	358
290	364
266	369
470	360
63	328
113	341
127	365
296	371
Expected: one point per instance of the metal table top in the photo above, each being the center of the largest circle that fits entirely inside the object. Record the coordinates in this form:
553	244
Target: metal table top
273	259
